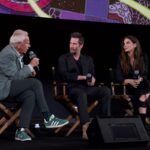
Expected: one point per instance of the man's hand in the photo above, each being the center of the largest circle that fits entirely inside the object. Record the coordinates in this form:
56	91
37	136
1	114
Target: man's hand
33	74
92	83
81	77
34	62
133	82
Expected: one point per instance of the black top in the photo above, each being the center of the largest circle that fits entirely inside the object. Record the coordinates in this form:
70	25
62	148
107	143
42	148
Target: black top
69	68
120	76
144	86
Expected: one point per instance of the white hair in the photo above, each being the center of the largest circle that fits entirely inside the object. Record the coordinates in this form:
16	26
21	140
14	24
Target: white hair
18	36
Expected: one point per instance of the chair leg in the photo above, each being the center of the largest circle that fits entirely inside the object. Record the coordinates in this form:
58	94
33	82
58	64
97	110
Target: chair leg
10	121
90	108
128	112
77	123
2	120
7	111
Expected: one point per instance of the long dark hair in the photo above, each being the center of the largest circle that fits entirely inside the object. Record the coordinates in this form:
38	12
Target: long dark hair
138	56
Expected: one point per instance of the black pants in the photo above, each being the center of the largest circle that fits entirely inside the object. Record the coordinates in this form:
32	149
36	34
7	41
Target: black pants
82	94
28	92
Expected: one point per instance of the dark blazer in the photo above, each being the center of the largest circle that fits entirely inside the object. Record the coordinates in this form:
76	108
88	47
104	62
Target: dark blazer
10	69
69	71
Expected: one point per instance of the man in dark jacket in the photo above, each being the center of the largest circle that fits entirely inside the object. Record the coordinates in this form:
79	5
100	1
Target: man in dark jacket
78	70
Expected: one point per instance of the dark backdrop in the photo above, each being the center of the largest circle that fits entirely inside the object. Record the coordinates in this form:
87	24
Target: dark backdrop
50	38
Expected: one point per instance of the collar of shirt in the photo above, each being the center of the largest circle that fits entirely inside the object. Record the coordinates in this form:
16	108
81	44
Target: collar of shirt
20	56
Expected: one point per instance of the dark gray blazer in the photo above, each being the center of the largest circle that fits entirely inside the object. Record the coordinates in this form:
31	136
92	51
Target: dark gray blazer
10	69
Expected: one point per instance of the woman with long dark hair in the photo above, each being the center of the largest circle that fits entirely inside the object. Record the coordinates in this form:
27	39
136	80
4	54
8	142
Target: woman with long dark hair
132	70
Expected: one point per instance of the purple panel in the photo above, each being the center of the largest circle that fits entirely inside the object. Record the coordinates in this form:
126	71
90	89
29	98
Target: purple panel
4	10
97	8
71	15
95	19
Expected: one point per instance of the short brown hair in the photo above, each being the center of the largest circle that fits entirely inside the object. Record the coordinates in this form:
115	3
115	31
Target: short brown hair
79	36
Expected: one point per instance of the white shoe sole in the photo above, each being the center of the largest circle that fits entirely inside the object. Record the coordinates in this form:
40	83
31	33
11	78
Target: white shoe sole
58	126
17	139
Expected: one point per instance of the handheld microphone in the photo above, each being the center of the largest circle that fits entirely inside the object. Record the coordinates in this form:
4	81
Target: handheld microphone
33	55
89	77
136	74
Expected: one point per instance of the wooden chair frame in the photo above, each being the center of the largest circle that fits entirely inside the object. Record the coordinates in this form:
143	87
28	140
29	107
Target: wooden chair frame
122	96
10	116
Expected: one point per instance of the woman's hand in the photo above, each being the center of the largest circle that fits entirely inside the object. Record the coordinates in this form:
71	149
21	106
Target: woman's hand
133	82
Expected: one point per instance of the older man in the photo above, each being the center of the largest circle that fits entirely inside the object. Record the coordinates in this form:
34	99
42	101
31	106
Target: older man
15	84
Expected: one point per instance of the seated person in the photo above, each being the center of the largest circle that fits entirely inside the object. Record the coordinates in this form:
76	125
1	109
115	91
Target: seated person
15	84
132	70
78	71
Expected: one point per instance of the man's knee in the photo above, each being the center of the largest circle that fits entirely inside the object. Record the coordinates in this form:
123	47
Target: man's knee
36	82
29	96
79	93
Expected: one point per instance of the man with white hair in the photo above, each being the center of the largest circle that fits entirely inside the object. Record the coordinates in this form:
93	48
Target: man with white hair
15	84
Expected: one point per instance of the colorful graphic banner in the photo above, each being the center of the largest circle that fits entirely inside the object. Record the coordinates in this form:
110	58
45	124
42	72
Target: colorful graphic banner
110	11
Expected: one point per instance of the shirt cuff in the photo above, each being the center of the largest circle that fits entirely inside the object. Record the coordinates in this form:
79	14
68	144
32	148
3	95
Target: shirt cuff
31	68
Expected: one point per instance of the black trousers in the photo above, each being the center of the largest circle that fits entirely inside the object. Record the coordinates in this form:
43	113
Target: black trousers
28	92
81	95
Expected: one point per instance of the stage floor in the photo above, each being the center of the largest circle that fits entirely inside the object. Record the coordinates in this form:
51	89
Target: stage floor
46	139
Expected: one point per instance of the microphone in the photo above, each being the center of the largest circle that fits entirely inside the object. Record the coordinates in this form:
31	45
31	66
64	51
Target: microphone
136	74
31	56
89	77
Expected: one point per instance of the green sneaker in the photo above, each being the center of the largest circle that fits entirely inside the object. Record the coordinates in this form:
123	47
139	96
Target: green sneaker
22	136
55	122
